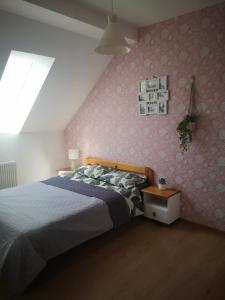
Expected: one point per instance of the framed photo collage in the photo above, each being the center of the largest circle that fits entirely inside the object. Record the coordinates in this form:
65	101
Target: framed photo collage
153	96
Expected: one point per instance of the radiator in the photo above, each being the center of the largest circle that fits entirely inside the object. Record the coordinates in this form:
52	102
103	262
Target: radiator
8	176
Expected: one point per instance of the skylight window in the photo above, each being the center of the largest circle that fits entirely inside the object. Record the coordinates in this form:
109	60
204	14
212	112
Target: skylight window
21	82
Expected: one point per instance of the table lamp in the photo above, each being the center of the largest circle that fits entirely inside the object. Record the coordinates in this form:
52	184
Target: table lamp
73	156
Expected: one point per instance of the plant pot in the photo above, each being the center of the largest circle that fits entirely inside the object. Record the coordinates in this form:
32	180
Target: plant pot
161	186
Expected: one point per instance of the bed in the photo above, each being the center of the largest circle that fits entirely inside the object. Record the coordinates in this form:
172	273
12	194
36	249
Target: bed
41	220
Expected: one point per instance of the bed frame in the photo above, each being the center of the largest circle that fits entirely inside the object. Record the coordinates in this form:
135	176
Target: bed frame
121	166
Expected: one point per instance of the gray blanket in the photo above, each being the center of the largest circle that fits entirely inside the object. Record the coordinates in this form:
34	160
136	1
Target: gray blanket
118	208
39	221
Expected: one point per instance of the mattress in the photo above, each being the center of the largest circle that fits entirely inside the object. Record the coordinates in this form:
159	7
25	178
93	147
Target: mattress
41	220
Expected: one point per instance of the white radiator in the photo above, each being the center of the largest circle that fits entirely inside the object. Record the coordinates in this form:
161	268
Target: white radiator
8	176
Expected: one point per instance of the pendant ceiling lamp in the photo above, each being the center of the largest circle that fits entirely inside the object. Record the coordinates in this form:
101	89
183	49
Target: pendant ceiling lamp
112	41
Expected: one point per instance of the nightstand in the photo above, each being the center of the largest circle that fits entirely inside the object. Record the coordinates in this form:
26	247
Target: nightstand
161	205
65	171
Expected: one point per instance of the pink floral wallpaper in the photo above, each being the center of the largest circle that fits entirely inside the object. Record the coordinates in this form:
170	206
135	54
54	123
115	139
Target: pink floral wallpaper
108	124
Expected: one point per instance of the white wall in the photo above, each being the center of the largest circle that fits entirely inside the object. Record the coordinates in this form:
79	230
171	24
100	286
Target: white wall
38	155
76	69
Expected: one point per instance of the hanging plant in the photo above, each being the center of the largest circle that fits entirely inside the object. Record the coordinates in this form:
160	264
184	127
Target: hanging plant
186	127
184	130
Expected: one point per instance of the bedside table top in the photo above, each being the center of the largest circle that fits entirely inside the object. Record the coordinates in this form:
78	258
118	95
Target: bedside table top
66	169
165	194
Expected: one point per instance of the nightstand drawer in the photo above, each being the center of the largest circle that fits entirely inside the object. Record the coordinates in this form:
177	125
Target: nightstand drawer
157	213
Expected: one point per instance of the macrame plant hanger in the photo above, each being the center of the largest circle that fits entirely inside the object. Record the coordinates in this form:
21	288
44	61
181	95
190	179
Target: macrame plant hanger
186	127
191	108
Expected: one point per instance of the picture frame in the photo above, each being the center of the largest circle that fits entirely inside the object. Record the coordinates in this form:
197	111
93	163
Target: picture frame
152	108
143	97
152	84
163	83
162	107
162	95
142	86
143	108
151	96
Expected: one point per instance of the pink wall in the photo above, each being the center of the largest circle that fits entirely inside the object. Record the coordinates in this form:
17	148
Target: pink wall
108	125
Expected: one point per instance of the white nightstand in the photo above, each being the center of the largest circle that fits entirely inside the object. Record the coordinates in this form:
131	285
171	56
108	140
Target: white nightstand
64	171
161	205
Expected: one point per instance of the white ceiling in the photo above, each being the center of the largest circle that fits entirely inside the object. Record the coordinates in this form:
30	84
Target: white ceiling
75	70
68	15
47	16
145	12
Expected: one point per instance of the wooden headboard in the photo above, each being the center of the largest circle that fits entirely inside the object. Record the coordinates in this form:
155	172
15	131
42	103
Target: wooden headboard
121	166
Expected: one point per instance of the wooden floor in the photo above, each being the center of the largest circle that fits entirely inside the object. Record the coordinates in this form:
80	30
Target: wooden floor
144	260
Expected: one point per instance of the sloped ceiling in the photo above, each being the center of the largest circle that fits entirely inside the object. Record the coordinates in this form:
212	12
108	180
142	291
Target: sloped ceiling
66	14
76	69
68	30
145	12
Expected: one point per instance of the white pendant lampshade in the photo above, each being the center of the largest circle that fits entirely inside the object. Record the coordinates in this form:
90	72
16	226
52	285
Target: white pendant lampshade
112	41
73	154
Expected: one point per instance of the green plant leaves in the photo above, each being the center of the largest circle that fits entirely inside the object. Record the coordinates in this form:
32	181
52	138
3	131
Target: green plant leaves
184	132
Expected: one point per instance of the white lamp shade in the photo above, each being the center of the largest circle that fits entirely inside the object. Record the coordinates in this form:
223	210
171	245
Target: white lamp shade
112	41
73	153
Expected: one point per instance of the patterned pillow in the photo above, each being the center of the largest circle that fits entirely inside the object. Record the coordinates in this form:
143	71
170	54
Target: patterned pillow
78	177
93	171
132	196
83	178
123	179
131	180
80	170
